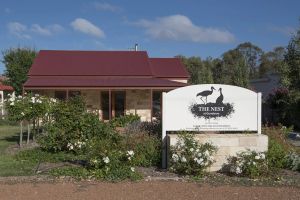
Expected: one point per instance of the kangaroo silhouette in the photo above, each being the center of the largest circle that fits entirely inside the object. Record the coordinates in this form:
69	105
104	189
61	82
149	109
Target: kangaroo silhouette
219	100
205	93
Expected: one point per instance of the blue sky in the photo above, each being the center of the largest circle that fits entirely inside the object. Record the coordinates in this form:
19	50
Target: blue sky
163	28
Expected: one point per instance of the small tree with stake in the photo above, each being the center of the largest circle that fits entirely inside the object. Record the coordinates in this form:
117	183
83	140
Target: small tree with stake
29	108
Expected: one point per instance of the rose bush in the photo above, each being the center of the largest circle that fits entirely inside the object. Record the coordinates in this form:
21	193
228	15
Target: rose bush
249	163
188	157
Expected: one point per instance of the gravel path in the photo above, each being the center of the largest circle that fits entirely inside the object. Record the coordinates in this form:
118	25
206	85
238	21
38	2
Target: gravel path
140	190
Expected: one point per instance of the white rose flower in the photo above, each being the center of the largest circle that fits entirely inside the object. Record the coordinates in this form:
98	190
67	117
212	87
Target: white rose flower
22	113
12	103
257	157
206	153
238	170
175	157
132	169
183	159
191	149
106	160
130	153
262	156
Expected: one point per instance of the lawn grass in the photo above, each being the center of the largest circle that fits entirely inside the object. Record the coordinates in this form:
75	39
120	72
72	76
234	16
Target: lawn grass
9	165
25	162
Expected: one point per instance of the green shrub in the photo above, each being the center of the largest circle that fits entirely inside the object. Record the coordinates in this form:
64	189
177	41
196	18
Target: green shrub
276	155
38	155
71	127
122	121
251	164
189	157
147	148
109	161
116	174
293	161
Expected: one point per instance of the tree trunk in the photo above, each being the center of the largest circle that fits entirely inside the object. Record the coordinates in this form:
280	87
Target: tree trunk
34	131
28	132
21	134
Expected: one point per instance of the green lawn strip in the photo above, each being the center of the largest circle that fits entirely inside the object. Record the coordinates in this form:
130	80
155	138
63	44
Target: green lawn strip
25	162
8	135
10	166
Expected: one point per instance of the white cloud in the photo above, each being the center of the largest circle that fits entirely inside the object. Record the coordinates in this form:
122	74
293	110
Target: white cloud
18	29
181	28
47	30
285	30
106	7
25	32
85	26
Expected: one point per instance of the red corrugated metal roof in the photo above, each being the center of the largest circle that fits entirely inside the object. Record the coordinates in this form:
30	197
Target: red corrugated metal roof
168	68
78	81
101	69
91	63
6	88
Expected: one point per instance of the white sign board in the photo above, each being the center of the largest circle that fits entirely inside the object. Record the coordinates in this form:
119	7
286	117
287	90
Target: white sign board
211	107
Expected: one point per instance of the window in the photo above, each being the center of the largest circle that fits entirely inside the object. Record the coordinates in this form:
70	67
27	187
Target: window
74	93
61	95
119	103
156	104
105	105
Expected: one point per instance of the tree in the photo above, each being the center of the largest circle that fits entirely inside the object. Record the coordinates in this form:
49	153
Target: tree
200	71
291	71
18	62
272	61
252	54
235	70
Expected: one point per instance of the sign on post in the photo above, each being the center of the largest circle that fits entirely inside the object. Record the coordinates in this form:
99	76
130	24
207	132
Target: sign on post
210	107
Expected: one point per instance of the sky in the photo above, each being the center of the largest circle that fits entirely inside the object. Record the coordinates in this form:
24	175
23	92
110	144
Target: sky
162	28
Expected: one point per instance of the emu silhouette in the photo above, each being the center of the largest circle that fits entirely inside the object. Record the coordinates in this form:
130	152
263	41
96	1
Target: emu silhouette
205	93
219	100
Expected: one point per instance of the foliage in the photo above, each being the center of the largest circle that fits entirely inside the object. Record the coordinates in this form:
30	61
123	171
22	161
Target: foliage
71	126
79	173
291	72
293	161
248	163
150	128
17	62
286	103
109	160
272	61
147	148
278	135
38	155
235	69
122	121
199	70
252	55
189	157
276	155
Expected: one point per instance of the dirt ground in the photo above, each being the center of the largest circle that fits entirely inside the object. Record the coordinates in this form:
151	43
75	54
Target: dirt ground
140	190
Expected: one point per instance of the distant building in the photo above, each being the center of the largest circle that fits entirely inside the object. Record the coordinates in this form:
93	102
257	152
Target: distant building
266	85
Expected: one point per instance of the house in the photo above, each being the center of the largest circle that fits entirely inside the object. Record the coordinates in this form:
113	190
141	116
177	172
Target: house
113	83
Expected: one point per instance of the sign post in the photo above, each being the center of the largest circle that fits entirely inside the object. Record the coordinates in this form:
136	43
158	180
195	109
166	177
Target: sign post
209	107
